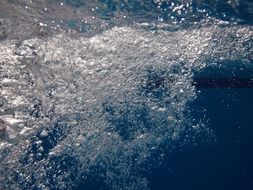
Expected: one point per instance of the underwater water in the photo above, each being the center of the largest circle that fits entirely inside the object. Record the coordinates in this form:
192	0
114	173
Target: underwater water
126	94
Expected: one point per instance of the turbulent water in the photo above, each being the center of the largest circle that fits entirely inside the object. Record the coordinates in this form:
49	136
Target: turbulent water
102	108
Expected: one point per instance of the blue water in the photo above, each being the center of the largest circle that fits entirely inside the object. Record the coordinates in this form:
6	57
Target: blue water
225	164
219	158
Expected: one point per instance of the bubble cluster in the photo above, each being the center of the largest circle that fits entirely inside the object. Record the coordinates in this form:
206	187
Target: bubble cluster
106	109
103	110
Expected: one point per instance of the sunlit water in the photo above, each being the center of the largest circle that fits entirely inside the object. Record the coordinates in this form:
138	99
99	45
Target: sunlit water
125	95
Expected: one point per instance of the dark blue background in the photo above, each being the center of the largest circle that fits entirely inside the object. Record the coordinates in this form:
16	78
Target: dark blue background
227	163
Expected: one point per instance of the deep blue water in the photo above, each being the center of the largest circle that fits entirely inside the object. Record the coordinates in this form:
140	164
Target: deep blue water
224	99
227	163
